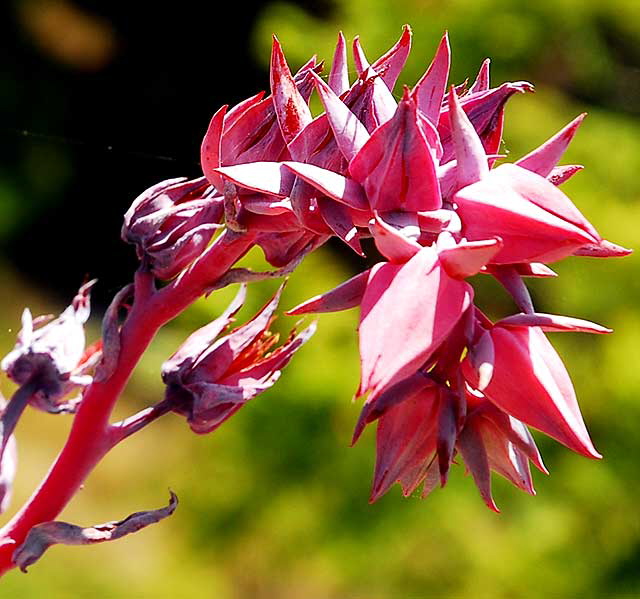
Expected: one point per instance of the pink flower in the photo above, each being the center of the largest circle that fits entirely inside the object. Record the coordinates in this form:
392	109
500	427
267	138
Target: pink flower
211	377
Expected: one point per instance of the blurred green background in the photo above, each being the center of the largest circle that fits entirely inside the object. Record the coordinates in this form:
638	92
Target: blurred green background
98	101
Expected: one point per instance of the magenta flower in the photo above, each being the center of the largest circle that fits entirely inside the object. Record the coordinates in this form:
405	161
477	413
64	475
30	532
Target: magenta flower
211	377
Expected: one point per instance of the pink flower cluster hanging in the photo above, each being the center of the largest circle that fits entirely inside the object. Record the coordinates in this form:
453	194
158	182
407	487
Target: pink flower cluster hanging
423	178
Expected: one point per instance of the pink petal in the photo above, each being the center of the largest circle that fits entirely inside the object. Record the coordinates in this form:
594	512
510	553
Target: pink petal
336	186
389	66
482	358
396	167
468	257
211	148
199	341
407	311
531	383
339	74
542	160
339	220
405	439
552	323
361	62
510	278
602	249
429	91
346	295
481	84
350	133
560	174
471	158
542	193
377	405
475	457
264	177
391	243
291	109
495	207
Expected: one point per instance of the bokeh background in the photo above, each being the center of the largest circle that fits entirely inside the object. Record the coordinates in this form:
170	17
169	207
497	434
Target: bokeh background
98	100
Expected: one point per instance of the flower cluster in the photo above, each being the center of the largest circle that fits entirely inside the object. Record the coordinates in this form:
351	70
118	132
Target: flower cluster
423	181
423	178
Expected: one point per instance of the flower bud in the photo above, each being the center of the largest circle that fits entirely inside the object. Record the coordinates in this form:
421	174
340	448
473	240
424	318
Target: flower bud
172	223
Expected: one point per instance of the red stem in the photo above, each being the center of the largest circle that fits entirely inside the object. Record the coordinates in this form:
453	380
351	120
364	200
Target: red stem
90	437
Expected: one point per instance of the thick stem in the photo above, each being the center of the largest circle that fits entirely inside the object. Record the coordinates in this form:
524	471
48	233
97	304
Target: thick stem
90	439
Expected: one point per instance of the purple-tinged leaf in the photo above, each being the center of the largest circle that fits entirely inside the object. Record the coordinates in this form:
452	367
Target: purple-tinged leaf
359	58
338	218
475	457
510	278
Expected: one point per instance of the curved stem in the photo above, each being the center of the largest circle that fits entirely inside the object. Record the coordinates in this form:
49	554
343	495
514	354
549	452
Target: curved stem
90	438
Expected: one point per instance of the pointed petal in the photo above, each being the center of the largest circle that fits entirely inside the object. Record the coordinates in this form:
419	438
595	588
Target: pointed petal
495	206
602	249
542	193
405	438
339	74
346	295
291	109
339	220
407	311
378	405
391	63
396	166
542	160
482	358
211	148
429	91
468	257
510	278
531	383
215	360
552	323
361	62
394	246
471	158
481	84
560	174
475	457
336	186
264	177
350	133
198	342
